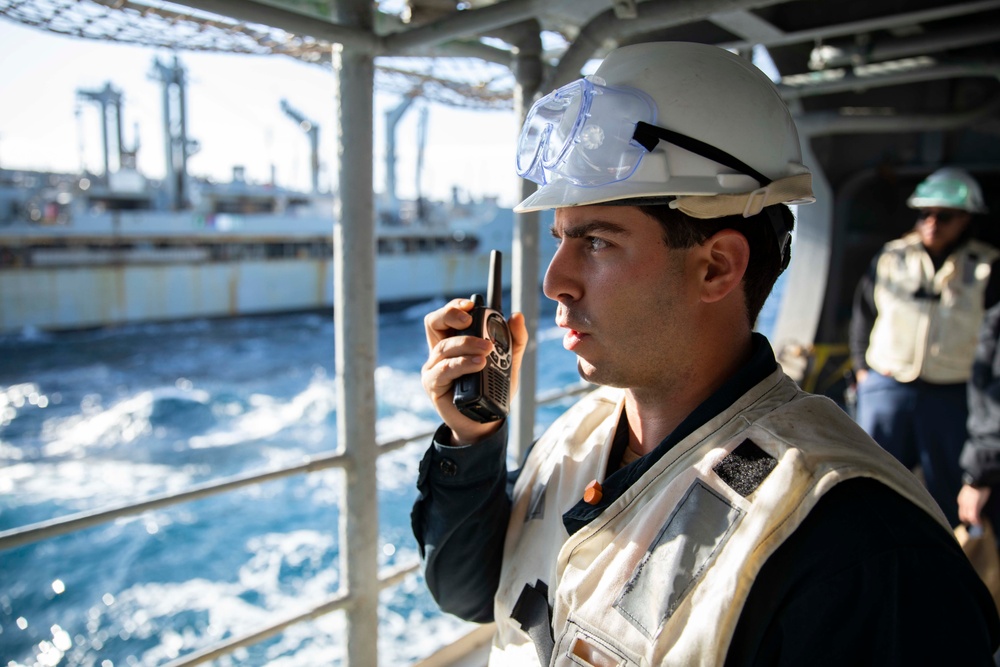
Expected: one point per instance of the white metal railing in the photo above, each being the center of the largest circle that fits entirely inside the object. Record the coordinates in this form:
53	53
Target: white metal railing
44	530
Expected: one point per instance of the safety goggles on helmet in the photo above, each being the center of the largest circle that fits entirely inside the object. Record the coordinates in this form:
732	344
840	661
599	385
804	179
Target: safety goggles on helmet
592	135
582	132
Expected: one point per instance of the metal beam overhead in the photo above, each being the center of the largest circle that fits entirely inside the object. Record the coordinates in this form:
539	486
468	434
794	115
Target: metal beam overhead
827	123
607	28
460	24
853	82
847	54
296	23
747	25
870	25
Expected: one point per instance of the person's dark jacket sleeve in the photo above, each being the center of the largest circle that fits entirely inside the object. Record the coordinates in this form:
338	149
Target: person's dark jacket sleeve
460	522
992	296
863	316
980	457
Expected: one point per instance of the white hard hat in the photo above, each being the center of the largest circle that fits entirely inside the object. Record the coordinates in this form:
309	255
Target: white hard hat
949	187
665	119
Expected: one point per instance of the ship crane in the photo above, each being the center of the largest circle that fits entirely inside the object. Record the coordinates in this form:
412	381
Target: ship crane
312	131
110	99
392	119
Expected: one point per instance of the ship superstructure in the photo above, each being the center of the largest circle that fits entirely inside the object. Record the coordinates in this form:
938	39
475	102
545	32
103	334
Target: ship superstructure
92	250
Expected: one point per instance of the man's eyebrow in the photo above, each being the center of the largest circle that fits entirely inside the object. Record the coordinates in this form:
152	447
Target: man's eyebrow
587	228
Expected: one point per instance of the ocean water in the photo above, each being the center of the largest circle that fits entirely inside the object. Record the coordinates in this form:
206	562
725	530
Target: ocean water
101	418
95	419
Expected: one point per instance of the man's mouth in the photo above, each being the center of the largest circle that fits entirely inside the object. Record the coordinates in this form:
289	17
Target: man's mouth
573	338
574	335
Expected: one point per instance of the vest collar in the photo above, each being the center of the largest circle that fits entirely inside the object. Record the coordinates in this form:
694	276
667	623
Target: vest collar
761	365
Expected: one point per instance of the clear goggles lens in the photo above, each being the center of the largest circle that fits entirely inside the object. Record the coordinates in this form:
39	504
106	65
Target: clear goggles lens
583	133
952	193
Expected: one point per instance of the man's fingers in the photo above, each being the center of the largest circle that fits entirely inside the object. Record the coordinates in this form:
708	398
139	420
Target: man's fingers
439	379
452	358
445	321
518	333
457	347
519	341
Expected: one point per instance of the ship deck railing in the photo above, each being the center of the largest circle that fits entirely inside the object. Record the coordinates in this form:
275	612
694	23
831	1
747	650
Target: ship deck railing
451	655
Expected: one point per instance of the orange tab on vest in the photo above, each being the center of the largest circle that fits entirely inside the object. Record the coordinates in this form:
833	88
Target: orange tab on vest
593	493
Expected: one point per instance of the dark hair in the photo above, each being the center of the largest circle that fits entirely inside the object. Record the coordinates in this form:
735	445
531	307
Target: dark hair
683	231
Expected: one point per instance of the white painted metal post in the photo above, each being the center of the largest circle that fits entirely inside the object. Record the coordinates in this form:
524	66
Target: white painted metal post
805	285
524	299
355	325
525	279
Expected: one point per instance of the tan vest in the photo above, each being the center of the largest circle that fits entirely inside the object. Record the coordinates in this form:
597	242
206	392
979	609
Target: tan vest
661	576
933	339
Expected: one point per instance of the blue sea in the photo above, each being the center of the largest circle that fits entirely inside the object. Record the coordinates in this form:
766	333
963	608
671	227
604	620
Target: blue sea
101	418
95	419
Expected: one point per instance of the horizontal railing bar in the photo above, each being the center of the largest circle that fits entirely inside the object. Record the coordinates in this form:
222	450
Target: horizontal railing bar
42	530
47	529
553	395
334	603
394	575
53	527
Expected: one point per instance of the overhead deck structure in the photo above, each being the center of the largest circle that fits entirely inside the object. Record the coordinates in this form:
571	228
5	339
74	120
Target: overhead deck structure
883	92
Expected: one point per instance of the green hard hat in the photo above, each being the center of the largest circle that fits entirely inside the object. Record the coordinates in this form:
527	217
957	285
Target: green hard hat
949	187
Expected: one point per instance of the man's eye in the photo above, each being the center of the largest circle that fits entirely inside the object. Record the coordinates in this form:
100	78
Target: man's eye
597	243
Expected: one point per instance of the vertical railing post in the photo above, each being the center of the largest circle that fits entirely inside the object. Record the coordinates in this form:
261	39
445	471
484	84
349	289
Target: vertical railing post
525	267
355	313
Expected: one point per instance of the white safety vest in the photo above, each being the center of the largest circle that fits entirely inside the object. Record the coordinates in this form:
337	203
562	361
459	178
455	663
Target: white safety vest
928	322
661	575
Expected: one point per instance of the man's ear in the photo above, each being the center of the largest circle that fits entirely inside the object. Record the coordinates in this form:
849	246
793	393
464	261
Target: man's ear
726	255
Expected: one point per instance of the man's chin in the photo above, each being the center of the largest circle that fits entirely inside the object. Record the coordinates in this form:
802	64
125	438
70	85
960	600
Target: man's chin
593	375
585	370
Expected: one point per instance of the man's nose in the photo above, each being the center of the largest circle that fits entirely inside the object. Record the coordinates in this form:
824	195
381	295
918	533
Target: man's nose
558	284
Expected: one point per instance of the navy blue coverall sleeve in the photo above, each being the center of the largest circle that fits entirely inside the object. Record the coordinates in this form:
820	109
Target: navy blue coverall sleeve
460	522
867	579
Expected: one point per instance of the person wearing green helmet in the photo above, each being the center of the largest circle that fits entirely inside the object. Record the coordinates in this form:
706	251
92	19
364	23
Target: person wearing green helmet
915	323
697	508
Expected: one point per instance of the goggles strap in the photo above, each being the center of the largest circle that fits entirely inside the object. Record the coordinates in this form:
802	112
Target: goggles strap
648	136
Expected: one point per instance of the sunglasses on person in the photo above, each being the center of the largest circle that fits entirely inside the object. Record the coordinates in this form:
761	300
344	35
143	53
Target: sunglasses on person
941	217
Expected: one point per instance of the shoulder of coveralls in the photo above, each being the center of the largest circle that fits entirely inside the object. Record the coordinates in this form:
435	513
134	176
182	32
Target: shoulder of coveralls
890	580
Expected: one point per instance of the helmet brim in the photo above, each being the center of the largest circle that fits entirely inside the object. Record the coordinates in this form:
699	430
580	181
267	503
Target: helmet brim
696	196
936	202
560	194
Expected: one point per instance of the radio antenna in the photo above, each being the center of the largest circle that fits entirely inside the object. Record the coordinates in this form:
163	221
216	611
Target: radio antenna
494	289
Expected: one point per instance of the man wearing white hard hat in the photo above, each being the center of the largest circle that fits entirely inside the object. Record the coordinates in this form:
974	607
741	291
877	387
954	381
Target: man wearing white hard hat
697	508
915	323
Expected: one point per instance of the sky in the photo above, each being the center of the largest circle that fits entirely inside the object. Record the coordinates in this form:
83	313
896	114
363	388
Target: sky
233	108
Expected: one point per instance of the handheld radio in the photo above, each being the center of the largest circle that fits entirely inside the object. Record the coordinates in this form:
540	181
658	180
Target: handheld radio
485	396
